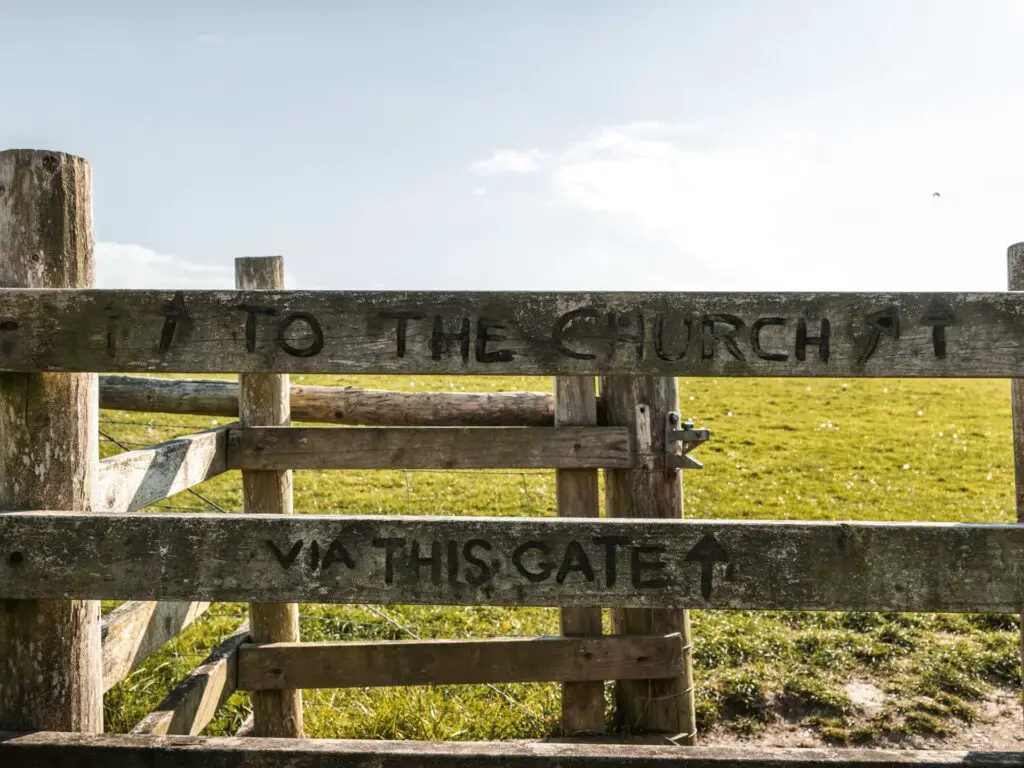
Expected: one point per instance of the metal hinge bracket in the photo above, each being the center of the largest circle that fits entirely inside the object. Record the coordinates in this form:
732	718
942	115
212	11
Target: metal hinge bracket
680	438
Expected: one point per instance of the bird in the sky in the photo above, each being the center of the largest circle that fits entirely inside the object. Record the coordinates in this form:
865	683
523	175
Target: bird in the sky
936	194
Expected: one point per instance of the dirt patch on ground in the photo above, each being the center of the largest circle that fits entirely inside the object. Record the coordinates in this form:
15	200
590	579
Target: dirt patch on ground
998	727
866	696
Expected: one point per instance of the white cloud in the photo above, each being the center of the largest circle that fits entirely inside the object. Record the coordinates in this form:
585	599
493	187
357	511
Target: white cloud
134	266
509	161
816	212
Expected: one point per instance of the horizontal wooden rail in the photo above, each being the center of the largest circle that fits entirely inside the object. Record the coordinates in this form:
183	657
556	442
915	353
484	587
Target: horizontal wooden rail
194	701
134	630
457	662
429	448
964	568
334	405
132	480
81	750
661	334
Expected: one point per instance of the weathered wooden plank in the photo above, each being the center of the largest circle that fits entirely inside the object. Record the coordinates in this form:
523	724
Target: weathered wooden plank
134	630
577	496
455	662
73	750
51	671
194	701
668	334
560	562
1015	282
648	491
132	480
263	400
335	405
427	448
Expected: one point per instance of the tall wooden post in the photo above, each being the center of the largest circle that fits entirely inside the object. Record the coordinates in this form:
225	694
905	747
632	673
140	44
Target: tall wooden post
264	402
641	403
1015	282
51	670
576	405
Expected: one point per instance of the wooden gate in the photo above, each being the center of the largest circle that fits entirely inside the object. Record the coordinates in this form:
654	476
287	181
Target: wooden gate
57	559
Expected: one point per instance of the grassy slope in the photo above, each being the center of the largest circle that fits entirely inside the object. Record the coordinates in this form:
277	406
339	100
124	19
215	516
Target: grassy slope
796	449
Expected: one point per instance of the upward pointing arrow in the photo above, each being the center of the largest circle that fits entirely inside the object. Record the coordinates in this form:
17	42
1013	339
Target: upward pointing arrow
707	552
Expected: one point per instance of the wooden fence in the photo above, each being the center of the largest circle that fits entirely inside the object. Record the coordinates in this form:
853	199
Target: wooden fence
73	533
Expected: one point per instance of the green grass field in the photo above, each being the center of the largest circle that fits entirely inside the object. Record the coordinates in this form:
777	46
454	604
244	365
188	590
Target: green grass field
781	449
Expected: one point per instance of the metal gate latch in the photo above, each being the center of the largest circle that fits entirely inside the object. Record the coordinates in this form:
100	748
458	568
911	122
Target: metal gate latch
680	439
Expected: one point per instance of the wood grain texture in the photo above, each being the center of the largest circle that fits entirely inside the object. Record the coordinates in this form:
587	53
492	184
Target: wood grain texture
664	334
427	448
69	750
649	492
577	496
246	728
335	405
735	565
194	701
134	630
51	671
132	480
1015	282
454	662
263	401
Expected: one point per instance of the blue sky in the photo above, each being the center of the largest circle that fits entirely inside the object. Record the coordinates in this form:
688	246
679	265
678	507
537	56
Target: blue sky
535	144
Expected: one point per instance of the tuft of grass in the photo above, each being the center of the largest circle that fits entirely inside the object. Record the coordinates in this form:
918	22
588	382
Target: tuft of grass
946	672
925	723
812	694
956	707
833	730
997	658
743	695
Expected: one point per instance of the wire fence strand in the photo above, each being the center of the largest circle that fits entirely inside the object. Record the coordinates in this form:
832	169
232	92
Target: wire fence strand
193	491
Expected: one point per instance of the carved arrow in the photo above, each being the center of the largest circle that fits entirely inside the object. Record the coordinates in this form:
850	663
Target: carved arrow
885	322
707	552
172	312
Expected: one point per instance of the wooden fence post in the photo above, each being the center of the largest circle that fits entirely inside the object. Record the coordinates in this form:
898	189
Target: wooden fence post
576	405
51	668
1015	282
264	402
641	403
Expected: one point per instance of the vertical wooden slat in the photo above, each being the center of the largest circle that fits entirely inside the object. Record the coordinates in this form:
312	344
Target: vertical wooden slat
264	402
1015	282
640	403
576	405
51	669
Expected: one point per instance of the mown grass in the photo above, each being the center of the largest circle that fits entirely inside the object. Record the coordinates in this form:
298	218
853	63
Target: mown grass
781	449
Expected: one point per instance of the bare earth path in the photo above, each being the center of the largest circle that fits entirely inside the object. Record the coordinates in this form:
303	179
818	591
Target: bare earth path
997	727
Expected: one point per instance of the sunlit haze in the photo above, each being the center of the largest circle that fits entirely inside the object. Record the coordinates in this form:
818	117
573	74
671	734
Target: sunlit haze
583	144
